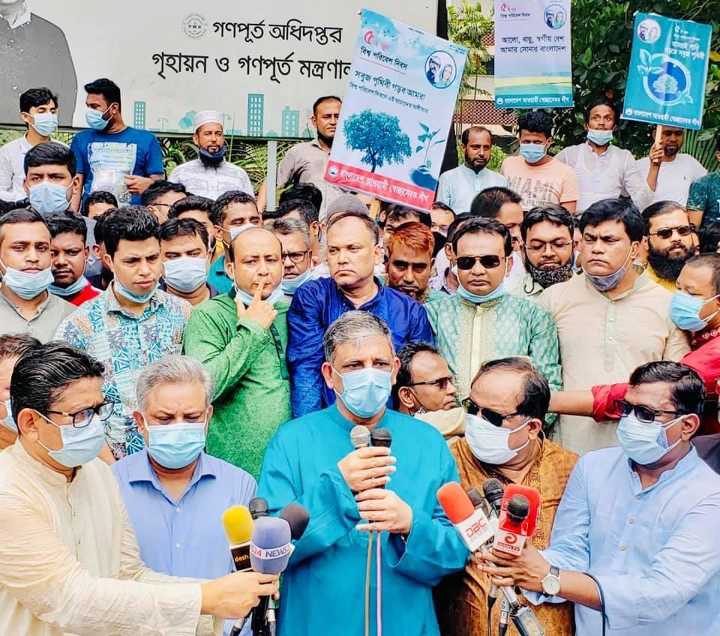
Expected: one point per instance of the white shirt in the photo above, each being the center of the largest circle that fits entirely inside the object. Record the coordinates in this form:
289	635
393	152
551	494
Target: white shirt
12	169
211	182
609	175
674	178
459	186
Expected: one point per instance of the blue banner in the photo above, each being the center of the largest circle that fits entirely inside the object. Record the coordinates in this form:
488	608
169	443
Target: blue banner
668	71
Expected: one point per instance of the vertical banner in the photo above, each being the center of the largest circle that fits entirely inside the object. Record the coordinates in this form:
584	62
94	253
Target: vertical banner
390	139
532	54
668	71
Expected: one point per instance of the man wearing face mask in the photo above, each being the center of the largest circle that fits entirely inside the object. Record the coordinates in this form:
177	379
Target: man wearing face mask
536	176
603	170
50	178
241	338
70	563
210	174
503	440
547	237
39	113
351	492
185	255
110	155
131	324
294	236
11	348
641	519
26	306
610	319
481	321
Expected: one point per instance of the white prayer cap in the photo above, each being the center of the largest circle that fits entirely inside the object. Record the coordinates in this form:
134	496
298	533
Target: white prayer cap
207	117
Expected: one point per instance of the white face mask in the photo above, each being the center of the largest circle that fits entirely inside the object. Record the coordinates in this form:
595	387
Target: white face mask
489	443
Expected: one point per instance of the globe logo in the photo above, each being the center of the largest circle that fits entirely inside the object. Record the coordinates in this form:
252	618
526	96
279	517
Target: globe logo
665	80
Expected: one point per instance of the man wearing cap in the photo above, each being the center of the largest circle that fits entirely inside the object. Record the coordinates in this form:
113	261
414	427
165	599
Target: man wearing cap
210	175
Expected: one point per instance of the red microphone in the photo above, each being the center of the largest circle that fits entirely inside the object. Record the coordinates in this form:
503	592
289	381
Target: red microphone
518	519
471	523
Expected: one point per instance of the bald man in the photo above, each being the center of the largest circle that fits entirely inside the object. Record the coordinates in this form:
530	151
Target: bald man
241	338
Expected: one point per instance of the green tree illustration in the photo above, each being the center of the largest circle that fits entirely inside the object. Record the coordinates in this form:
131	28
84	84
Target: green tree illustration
377	135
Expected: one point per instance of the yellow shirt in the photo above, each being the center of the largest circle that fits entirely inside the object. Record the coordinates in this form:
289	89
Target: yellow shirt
667	284
69	560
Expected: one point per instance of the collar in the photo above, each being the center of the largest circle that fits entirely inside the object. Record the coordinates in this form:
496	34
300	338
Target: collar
317	145
22	18
528	282
470	171
640	283
682	468
339	419
33	468
602	154
377	297
141	471
701	338
41	307
112	305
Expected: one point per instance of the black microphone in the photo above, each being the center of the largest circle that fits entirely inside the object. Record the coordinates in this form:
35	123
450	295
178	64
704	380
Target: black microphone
494	492
381	437
258	507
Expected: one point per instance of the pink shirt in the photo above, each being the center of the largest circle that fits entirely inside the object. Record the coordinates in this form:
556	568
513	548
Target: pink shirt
552	182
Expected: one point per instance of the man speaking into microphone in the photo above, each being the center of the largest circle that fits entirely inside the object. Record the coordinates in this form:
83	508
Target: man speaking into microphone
390	491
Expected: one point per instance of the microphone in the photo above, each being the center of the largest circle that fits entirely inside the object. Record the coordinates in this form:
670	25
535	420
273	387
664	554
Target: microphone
381	437
258	507
494	491
360	436
518	519
298	519
471	523
238	526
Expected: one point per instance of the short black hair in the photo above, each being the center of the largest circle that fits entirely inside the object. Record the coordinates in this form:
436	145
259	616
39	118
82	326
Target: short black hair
324	98
50	154
99	229
172	228
157	188
480	225
14	345
67	223
34	97
191	202
226	199
99	196
43	372
552	213
687	391
306	209
440	241
398	212
709	236
439	205
535	398
406	356
129	223
107	88
602	100
21	215
711	260
306	191
457	222
657	209
487	202
614	210
465	137
536	121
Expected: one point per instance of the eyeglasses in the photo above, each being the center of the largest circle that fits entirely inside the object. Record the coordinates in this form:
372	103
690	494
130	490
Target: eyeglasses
80	419
541	246
666	232
440	383
295	257
495	418
644	414
488	261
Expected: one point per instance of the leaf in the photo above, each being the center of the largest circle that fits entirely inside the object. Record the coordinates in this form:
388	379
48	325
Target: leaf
418	149
439	141
425	127
645	57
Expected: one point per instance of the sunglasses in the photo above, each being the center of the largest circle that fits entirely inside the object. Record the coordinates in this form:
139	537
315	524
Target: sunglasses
488	261
666	232
440	383
645	414
495	418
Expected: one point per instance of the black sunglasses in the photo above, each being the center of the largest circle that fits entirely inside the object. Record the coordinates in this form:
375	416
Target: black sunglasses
488	261
666	232
644	413
440	383
495	418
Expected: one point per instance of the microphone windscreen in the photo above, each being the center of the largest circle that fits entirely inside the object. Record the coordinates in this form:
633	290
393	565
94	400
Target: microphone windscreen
455	502
534	504
270	548
493	491
476	499
360	436
381	437
297	517
258	507
518	508
238	525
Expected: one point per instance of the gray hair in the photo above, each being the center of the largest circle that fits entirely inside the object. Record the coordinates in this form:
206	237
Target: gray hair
284	227
351	327
173	369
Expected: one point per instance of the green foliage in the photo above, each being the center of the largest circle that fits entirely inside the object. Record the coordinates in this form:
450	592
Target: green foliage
378	136
467	25
497	156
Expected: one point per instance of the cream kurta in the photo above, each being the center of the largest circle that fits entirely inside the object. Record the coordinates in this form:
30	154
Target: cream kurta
602	341
69	561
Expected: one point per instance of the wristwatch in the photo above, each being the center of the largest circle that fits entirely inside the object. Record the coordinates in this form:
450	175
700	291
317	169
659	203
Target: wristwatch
551	582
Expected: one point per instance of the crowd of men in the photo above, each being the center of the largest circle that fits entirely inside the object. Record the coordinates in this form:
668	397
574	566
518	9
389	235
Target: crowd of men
169	347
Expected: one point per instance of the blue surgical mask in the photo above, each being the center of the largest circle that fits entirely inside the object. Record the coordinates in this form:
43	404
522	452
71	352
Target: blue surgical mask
136	298
610	281
290	285
599	137
80	445
685	311
8	420
176	445
246	298
70	290
366	391
186	274
645	443
27	285
476	299
45	123
532	153
95	120
489	443
49	198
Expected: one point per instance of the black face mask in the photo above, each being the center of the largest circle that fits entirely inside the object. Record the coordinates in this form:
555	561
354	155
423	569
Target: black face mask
548	277
212	159
667	268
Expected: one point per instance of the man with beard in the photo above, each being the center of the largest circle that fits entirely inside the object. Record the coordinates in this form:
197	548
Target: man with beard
675	170
210	174
459	186
305	162
670	242
547	235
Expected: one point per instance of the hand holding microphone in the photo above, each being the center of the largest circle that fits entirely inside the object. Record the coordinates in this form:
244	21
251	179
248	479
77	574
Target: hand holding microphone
367	466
